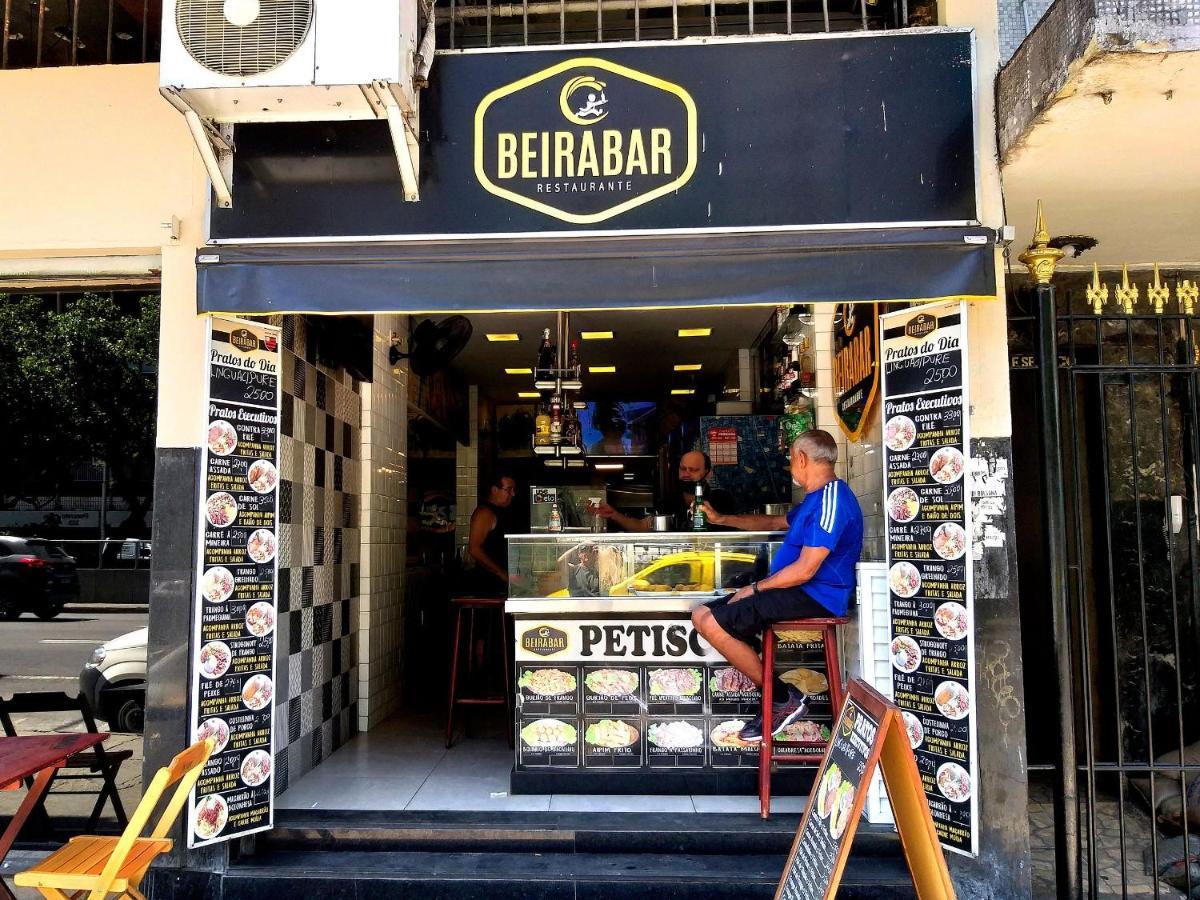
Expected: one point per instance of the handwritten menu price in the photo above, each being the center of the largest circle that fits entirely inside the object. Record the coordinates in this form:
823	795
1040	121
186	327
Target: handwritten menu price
233	646
813	864
929	572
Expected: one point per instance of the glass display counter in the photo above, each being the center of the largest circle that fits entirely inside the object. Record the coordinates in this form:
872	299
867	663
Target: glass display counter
685	568
616	692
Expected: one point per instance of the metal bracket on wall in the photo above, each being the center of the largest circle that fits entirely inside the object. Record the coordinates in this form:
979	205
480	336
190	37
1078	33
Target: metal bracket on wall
404	137
214	141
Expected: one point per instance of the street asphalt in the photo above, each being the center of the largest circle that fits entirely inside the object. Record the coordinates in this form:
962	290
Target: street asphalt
47	656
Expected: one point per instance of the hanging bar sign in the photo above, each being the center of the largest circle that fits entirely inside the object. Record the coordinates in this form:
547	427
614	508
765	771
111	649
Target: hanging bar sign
233	640
926	444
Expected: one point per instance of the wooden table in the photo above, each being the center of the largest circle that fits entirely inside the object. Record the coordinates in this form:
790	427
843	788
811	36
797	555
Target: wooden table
39	756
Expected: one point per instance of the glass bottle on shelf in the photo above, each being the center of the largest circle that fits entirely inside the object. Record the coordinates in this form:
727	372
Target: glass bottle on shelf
545	358
541	427
808	372
573	362
556	419
570	431
555	524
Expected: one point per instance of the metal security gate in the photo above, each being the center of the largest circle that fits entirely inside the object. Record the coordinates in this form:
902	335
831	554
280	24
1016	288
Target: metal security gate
1128	361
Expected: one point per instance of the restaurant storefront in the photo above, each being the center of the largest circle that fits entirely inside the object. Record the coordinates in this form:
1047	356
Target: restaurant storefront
635	190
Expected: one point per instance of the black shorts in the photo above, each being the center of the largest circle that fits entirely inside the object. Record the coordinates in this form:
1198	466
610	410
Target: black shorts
745	619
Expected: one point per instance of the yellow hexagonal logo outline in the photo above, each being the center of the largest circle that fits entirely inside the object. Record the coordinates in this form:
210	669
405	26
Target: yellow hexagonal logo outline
589	62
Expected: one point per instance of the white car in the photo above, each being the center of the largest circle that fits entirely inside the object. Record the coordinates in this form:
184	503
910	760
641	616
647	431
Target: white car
114	681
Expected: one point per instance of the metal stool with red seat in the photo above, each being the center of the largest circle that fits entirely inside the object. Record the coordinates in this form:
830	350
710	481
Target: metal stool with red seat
470	606
828	629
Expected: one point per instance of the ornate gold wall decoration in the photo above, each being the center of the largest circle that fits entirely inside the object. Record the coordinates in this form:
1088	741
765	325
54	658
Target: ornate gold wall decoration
1158	293
1127	294
1097	292
1041	258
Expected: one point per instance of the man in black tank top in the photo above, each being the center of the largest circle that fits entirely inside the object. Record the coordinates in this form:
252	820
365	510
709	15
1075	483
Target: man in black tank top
487	544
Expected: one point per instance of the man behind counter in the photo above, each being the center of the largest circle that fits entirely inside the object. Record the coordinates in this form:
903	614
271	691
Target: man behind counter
695	467
812	573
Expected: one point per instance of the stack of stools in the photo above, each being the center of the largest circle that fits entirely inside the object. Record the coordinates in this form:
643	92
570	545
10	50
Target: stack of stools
833	672
469	607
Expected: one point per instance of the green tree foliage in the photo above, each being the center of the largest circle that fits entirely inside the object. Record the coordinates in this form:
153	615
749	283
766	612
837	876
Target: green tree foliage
78	386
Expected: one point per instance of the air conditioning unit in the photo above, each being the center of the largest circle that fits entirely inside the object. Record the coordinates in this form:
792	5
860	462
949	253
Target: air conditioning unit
228	62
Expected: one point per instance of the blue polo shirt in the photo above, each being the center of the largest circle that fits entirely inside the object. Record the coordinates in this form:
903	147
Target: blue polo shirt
829	517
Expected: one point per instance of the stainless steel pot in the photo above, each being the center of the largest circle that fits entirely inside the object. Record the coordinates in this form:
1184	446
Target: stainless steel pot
776	509
662	523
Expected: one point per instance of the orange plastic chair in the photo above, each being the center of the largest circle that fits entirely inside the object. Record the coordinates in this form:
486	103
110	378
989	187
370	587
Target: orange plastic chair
99	866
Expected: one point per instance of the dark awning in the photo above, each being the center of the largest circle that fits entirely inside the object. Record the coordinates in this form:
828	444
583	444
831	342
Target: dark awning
598	273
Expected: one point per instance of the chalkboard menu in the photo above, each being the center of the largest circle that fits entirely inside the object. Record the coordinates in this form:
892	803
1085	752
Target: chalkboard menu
233	640
926	451
838	793
868	732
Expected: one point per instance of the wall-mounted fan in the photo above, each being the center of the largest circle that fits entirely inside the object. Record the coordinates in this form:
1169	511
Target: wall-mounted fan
433	345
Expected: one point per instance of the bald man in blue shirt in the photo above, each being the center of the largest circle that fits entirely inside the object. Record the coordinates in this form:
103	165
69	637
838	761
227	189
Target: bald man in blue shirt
811	576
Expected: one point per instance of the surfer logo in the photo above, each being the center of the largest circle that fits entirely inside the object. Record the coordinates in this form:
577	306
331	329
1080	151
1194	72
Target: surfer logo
849	714
585	140
592	110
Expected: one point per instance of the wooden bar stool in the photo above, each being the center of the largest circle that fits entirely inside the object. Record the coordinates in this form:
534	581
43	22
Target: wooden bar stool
833	672
470	606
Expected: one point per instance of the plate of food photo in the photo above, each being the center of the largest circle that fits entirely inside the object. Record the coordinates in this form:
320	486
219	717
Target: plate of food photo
899	433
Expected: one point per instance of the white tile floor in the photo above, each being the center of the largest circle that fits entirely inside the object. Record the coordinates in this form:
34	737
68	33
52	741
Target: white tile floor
403	765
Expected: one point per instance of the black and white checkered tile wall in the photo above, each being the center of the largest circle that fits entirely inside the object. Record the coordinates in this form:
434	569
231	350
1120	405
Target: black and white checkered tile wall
321	414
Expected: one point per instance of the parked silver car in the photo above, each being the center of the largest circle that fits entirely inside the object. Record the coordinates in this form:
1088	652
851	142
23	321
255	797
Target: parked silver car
114	681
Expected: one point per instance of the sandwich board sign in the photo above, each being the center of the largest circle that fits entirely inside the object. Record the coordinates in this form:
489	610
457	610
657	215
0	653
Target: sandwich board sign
869	732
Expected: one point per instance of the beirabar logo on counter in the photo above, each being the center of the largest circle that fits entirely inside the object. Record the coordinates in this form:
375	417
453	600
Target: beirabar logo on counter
241	339
544	640
585	140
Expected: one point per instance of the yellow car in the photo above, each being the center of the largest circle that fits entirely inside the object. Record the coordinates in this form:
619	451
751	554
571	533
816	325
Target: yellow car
690	571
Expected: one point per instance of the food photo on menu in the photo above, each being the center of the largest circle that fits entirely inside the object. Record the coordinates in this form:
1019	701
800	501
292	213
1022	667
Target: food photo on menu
212	812
257	691
612	682
545	734
611	734
217	584
547	682
675	735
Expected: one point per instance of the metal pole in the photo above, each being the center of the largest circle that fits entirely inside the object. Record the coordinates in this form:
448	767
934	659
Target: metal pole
103	498
1041	259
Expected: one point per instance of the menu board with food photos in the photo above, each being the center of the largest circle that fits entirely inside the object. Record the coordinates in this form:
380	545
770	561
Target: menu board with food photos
233	639
647	693
926	450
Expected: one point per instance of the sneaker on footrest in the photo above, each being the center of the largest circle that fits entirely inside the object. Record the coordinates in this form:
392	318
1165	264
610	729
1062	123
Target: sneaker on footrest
782	715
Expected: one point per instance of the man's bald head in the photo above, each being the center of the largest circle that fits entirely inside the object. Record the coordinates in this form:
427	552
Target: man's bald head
694	466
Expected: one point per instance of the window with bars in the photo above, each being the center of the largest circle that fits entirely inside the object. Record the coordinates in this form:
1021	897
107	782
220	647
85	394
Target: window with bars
36	33
466	24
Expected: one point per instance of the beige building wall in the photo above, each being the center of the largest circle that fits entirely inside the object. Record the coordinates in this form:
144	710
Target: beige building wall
94	163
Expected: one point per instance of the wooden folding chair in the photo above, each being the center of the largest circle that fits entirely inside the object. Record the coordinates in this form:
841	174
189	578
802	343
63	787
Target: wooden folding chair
99	866
87	766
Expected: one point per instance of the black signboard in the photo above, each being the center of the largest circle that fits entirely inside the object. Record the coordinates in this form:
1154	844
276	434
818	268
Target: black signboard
815	863
835	130
926	452
855	340
233	646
